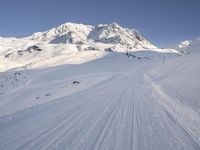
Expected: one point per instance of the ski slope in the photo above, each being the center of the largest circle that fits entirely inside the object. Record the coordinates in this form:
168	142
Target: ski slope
74	87
120	103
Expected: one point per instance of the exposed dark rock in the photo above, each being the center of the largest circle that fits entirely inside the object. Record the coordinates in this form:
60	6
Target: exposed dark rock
75	82
8	55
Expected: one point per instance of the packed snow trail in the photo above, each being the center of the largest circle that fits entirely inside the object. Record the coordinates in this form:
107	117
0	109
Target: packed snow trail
118	113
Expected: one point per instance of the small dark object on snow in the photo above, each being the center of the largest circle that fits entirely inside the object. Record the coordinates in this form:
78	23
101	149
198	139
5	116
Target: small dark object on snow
75	82
47	94
130	55
37	98
108	50
34	47
17	73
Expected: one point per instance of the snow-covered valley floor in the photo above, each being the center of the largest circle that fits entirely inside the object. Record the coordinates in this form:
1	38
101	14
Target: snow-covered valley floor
111	103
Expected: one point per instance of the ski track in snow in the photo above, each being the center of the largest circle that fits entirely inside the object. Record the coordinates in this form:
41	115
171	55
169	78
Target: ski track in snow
121	113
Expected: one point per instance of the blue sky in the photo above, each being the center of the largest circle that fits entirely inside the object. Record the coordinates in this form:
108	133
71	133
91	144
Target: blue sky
163	22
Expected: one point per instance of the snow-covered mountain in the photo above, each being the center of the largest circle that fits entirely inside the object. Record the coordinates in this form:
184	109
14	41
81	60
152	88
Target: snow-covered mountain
81	34
68	33
185	44
188	46
70	43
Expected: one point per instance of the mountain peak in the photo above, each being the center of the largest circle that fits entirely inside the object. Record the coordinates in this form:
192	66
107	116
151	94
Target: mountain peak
185	43
188	46
114	24
71	26
74	33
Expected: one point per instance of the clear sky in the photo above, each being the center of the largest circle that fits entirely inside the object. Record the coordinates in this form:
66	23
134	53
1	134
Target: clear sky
163	22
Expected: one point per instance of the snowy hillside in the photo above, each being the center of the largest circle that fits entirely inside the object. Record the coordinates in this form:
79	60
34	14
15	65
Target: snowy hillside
69	43
75	87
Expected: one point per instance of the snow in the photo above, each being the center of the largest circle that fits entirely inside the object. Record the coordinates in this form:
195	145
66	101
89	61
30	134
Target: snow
96	96
184	44
64	43
188	46
82	34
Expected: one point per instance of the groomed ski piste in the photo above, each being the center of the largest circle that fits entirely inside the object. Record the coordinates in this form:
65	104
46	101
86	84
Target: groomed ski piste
100	100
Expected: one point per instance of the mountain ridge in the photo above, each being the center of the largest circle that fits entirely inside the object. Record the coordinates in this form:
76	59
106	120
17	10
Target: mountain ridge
73	33
71	43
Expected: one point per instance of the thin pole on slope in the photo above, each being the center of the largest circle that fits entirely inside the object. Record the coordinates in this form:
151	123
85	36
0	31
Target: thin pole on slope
163	60
127	50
